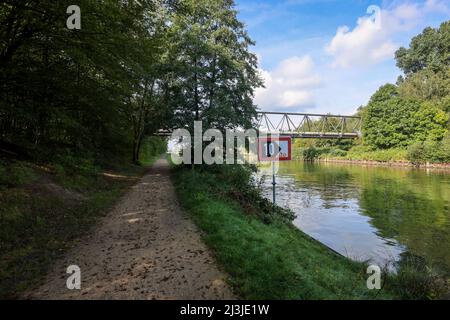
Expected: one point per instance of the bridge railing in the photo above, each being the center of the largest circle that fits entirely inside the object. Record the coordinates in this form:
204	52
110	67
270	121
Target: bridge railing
309	125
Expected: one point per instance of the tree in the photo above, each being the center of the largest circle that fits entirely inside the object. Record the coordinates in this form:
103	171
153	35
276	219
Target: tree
426	64
133	68
390	121
413	111
148	26
213	74
68	90
427	85
430	49
430	123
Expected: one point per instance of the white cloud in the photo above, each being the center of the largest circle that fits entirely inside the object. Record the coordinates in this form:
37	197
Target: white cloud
371	41
366	44
289	86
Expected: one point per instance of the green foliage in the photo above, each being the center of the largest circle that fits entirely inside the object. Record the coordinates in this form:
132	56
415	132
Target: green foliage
40	220
431	123
15	174
152	147
430	49
72	164
266	260
441	151
209	47
133	68
391	121
63	88
311	153
337	144
337	153
358	152
383	94
430	151
384	155
417	153
312	149
239	184
411	114
427	85
415	280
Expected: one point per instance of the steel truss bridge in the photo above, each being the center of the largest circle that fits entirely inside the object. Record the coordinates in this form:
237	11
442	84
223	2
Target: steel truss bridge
304	125
309	125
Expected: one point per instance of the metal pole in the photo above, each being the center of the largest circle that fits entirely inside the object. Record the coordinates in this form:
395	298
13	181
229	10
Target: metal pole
273	184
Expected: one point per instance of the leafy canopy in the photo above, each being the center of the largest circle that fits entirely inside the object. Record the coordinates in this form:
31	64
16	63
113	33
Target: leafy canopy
414	110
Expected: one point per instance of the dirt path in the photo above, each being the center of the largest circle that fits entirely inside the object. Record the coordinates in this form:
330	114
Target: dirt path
145	248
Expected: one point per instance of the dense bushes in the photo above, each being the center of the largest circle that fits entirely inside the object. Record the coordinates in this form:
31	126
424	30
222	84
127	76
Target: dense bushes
239	183
412	114
430	151
366	153
151	148
394	122
68	89
312	153
361	152
15	174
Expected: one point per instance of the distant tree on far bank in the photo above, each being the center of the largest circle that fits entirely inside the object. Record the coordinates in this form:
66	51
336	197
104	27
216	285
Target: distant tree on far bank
415	110
391	121
427	51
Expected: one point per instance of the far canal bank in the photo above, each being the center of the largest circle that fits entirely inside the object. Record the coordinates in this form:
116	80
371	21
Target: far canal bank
405	164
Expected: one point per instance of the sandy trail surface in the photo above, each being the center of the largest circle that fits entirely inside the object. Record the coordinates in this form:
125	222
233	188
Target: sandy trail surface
145	248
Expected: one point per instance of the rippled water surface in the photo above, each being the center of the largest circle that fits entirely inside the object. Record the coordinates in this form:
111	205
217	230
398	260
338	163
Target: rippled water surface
374	213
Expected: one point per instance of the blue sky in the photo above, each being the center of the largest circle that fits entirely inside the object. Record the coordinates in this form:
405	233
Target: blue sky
331	55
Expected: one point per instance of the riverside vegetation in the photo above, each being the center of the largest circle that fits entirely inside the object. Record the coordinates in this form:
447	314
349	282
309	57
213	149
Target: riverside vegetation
406	121
268	258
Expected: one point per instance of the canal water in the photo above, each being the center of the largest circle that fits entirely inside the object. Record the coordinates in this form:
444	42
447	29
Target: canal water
381	214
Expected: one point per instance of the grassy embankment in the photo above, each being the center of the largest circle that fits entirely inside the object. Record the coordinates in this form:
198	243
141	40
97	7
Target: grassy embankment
265	255
45	206
268	258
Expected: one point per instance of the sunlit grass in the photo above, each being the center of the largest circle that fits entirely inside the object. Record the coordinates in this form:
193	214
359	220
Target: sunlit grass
268	261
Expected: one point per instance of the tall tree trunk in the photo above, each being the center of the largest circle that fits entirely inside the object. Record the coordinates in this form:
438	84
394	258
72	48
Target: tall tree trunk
139	123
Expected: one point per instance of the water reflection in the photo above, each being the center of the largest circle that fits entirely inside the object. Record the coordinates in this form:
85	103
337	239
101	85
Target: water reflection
369	213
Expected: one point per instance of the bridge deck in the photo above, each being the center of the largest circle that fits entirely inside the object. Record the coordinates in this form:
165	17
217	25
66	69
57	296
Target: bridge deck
317	135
